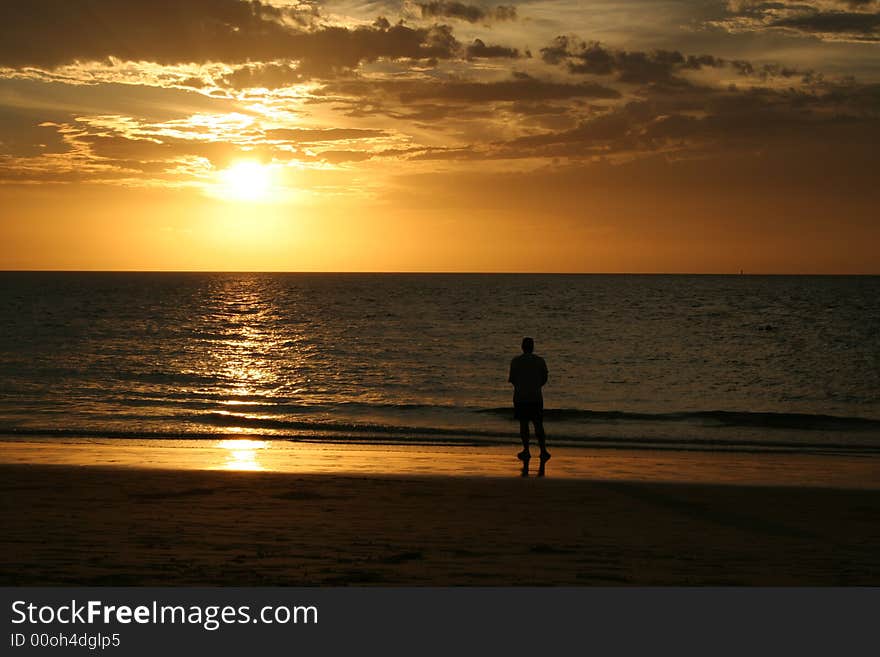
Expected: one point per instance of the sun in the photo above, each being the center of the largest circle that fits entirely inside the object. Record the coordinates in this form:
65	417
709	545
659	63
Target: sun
246	180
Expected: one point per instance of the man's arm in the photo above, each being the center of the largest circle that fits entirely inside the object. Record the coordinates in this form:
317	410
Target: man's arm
510	376
545	373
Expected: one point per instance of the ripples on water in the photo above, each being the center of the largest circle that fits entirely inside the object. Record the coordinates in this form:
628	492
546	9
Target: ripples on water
648	359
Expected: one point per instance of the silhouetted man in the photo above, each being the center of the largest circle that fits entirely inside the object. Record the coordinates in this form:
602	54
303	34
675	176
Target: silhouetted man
528	373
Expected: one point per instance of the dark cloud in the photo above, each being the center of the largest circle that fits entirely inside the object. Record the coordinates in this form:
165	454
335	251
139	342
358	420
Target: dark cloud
23	136
528	108
520	88
448	154
60	103
860	25
842	20
589	138
581	57
118	149
466	12
54	32
760	6
479	50
702	122
266	76
767	71
339	157
50	33
342	48
433	102
658	67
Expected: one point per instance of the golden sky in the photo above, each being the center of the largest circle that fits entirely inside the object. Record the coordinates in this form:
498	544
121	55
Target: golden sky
607	136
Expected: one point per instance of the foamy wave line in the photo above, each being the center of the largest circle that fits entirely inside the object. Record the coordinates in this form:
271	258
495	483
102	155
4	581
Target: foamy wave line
264	411
770	420
231	426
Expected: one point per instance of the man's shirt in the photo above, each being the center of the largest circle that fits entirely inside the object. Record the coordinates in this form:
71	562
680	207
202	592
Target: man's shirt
528	373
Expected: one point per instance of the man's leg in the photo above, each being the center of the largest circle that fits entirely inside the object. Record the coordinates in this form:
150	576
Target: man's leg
542	440
524	435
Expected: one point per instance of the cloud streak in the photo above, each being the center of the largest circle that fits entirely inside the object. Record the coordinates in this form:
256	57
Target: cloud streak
830	20
466	12
52	33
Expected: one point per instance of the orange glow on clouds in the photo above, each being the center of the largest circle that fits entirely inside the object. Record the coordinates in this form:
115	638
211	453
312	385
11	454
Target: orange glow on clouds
302	136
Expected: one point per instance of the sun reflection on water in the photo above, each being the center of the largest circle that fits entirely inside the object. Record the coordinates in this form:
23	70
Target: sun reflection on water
241	454
248	357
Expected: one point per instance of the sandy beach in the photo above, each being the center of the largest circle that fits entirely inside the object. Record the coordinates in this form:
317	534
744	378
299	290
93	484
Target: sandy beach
66	524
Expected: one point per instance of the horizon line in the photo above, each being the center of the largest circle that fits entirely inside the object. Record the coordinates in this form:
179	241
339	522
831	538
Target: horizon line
429	272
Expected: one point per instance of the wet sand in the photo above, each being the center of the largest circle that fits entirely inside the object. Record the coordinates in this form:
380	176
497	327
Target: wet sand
99	525
771	468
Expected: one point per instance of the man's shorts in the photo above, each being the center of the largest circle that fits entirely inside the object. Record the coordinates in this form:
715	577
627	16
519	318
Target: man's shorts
529	411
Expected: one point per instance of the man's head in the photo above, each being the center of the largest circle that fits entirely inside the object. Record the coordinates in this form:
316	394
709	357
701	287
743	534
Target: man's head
528	345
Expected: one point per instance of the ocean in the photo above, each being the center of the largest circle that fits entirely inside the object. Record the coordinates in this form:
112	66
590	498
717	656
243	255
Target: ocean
741	363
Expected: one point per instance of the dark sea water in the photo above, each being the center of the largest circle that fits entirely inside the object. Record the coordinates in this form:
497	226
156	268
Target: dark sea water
714	362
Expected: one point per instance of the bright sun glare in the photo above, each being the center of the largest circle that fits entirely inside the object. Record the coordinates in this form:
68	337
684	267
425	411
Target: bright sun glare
246	181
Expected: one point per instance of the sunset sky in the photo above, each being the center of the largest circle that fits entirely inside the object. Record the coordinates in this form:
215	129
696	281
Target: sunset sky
560	136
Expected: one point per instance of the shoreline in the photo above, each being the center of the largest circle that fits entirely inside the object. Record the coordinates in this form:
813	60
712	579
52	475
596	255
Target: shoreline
73	525
827	470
